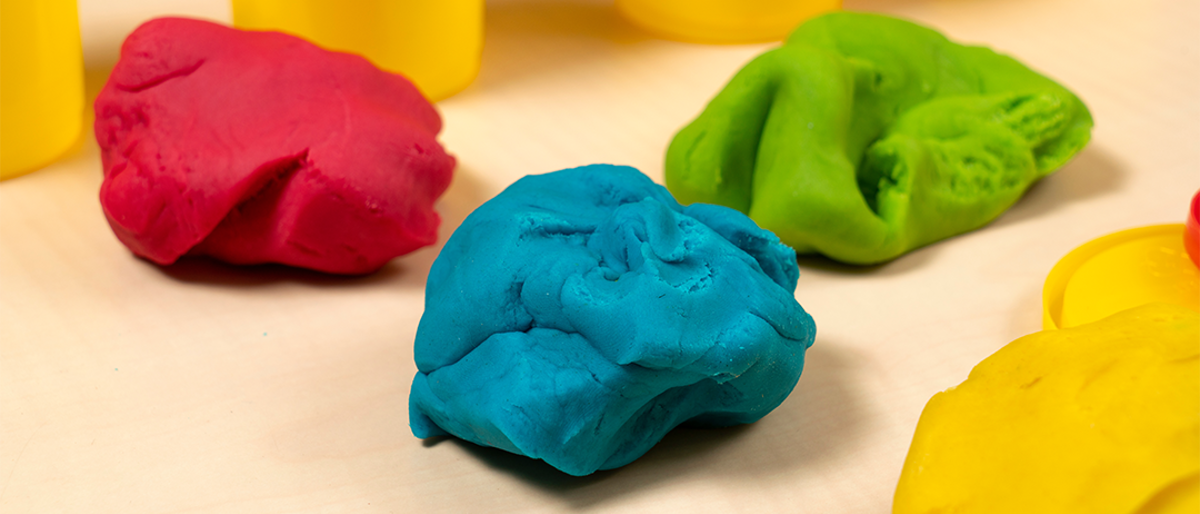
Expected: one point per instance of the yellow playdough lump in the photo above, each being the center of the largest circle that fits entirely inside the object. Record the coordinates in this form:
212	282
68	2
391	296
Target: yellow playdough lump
1101	418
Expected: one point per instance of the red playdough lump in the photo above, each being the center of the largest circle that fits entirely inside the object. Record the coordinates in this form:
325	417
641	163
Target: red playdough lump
256	147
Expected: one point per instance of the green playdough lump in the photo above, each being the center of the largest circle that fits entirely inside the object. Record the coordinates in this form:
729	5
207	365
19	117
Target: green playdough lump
864	137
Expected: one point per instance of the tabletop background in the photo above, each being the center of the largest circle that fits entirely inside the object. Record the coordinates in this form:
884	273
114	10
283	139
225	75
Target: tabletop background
133	388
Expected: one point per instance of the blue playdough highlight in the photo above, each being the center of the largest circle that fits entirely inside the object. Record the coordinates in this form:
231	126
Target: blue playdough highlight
581	315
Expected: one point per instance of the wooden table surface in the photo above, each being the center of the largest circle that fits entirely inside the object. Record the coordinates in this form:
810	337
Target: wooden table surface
132	388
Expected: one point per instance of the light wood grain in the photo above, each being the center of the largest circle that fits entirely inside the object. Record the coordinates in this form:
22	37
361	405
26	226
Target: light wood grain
126	387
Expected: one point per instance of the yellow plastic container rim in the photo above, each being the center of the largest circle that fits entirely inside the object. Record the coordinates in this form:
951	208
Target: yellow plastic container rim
1060	275
1191	238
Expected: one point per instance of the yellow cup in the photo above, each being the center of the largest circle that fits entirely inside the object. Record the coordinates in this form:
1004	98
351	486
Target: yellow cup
41	83
723	21
436	44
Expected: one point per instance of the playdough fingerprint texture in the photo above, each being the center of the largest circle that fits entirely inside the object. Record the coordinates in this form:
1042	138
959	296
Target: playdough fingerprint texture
864	137
581	315
257	147
1100	418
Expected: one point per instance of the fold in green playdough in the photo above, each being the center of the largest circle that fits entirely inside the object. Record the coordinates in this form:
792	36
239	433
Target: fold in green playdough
864	137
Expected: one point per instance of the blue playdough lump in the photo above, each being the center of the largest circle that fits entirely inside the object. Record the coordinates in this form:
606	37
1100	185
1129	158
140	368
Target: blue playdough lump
581	315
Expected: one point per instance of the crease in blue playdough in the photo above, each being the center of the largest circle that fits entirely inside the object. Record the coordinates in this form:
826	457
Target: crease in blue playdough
581	315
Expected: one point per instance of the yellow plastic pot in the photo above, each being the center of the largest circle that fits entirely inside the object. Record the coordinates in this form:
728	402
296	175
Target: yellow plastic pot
723	21
41	83
436	44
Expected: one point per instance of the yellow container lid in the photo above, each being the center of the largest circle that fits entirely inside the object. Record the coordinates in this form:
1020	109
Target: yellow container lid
1191	238
1120	271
